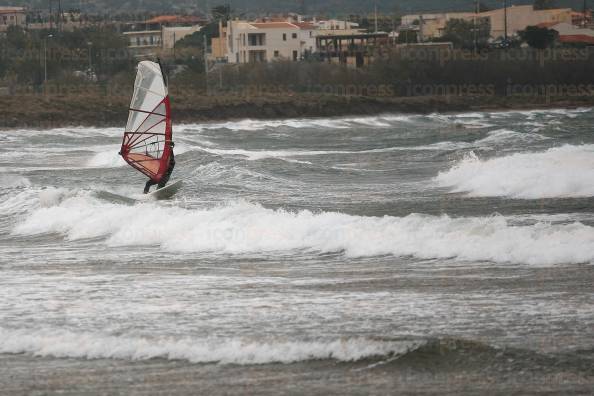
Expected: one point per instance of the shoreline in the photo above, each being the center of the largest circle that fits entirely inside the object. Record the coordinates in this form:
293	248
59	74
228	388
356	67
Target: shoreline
44	112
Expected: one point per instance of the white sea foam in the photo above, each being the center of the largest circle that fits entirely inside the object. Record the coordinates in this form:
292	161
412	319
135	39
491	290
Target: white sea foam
566	171
254	155
507	136
67	344
106	159
244	228
13	181
381	121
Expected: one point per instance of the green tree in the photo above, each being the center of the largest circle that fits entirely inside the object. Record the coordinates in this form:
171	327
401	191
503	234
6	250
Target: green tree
465	34
537	37
221	12
407	37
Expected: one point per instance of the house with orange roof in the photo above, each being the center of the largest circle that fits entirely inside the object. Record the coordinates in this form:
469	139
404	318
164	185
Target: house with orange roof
571	34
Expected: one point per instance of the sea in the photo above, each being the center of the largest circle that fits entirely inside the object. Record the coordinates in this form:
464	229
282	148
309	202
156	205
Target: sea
390	254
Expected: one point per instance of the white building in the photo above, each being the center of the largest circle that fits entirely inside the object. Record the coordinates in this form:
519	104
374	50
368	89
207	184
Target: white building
335	24
249	42
516	18
144	42
12	16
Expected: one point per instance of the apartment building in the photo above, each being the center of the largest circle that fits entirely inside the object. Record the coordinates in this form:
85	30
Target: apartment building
249	42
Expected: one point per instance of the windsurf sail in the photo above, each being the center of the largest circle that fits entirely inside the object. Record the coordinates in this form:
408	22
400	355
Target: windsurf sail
147	140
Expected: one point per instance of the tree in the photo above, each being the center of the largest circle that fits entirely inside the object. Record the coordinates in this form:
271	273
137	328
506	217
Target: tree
465	34
544	4
407	37
221	12
483	7
537	37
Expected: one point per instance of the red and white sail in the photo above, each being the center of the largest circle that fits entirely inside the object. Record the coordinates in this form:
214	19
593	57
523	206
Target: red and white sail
147	139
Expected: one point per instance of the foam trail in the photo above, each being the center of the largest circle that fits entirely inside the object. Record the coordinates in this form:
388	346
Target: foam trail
244	228
559	172
67	344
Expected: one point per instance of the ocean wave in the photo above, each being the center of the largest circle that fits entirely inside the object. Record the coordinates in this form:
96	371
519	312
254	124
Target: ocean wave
245	228
566	171
250	125
87	345
372	352
13	181
507	136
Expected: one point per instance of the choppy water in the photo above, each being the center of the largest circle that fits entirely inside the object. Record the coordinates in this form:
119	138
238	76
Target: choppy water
440	253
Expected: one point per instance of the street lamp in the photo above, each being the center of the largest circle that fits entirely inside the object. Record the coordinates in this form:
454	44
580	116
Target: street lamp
90	43
45	58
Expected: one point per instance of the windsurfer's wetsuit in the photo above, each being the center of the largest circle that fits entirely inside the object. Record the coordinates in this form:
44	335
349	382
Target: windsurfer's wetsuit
165	177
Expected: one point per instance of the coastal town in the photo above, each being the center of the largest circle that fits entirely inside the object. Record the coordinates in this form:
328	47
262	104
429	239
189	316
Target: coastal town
296	197
537	53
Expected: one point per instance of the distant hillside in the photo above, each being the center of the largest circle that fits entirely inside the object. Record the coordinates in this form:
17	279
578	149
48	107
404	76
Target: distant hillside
332	8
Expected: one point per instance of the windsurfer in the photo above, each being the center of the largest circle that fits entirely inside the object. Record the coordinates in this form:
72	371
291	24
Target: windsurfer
166	176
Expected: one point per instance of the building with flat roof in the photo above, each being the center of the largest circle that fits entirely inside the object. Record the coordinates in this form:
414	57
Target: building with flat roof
249	42
12	16
144	42
517	18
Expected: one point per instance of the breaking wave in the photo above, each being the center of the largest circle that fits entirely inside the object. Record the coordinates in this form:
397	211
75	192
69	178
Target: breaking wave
13	181
67	344
374	352
245	228
559	172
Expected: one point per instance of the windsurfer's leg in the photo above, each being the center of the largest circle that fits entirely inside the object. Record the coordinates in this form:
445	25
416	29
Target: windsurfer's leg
148	185
164	180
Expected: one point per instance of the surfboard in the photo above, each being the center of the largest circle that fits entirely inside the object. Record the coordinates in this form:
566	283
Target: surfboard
167	191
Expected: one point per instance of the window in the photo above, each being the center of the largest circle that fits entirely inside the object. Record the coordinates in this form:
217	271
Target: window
257	56
284	36
276	54
294	35
256	39
295	55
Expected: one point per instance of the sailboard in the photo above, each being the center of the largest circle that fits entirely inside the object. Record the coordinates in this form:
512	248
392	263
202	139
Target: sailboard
168	191
147	142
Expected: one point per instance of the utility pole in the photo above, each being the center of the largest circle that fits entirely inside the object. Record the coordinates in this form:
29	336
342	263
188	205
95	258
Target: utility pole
45	59
205	63
50	14
376	17
476	11
59	15
505	20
